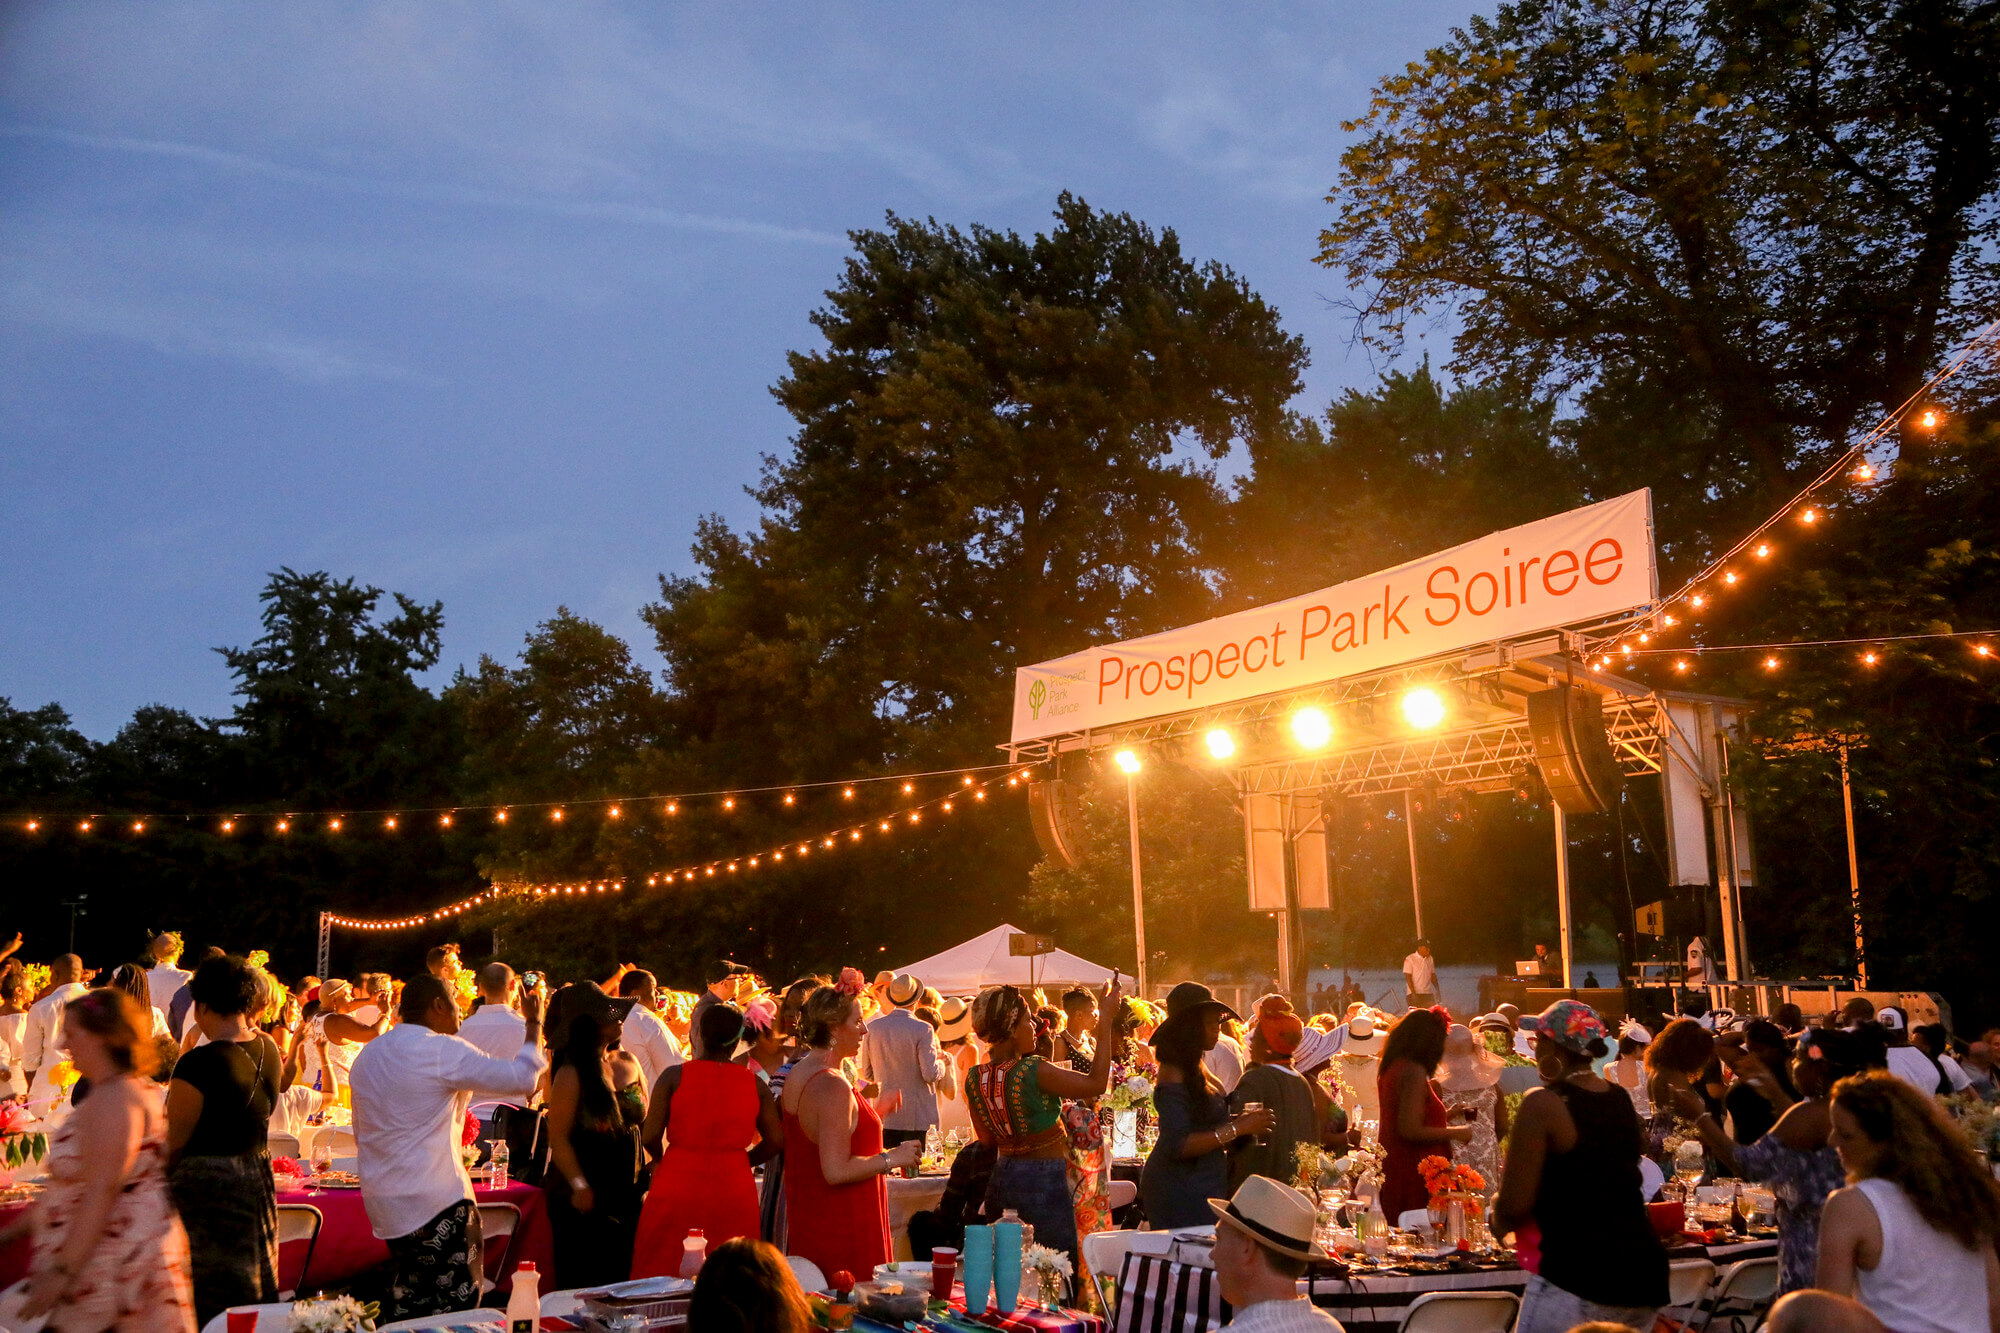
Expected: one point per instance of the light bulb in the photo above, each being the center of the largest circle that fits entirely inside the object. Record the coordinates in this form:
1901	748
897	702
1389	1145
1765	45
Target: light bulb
1808	516
1680	666
613	812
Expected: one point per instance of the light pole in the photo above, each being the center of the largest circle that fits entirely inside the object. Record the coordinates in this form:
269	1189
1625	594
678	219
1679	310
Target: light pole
1128	764
1853	871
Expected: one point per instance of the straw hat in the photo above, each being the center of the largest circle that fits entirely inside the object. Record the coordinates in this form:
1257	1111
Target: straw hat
954	1019
1362	1036
1274	1215
904	989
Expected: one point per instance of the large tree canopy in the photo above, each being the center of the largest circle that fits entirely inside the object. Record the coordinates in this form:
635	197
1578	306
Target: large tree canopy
1003	454
1745	224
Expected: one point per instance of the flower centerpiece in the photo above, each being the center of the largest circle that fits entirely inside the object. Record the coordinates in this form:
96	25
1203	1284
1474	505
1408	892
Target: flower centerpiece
468	1141
1454	1189
334	1314
1052	1272
1129	1098
21	1140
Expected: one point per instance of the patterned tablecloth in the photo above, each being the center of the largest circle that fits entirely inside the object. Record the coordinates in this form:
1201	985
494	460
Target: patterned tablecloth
1159	1293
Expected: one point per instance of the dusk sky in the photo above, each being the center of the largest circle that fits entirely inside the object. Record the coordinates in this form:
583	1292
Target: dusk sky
482	302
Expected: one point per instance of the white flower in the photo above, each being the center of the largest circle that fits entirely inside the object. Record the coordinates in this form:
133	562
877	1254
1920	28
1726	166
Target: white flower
1042	1259
336	1314
1138	1086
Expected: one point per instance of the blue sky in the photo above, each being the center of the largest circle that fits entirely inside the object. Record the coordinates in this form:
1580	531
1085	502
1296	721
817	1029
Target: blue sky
481	302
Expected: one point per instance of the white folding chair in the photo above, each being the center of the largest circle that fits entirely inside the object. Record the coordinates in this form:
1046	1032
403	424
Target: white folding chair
285	1145
1687	1279
1739	1298
1104	1255
1461	1312
298	1222
1414	1219
807	1272
336	1140
497	1221
1123	1192
1651	1178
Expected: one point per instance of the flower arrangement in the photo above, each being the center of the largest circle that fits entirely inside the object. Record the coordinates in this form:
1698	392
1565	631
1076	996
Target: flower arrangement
37	977
1128	1093
334	1314
21	1142
1052	1272
1443	1177
288	1166
1975	1119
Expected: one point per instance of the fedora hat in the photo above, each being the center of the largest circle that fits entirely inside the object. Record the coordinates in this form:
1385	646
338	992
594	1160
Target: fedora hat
1363	1036
904	989
1274	1215
954	1019
1192	995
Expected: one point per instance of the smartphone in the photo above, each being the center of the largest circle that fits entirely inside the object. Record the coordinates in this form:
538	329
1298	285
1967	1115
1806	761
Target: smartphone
531	980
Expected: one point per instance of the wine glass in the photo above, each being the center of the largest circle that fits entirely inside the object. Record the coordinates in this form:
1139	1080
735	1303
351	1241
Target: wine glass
1689	1164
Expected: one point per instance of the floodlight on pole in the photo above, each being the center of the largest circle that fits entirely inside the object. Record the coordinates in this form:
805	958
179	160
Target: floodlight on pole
1128	764
1312	728
1221	744
1423	708
1127	761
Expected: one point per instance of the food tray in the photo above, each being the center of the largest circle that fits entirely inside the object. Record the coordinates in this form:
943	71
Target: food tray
599	1310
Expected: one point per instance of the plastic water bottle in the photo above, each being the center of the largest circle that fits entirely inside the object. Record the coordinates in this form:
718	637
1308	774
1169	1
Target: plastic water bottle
524	1303
497	1164
694	1253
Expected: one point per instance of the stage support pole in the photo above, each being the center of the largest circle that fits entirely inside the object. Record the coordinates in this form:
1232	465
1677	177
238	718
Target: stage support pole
1416	880
1740	967
325	943
1853	873
1138	885
1562	894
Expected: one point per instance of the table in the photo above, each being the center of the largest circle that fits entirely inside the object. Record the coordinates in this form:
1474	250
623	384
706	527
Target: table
347	1246
1177	1291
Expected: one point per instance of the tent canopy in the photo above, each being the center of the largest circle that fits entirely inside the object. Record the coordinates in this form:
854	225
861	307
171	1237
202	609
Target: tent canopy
983	961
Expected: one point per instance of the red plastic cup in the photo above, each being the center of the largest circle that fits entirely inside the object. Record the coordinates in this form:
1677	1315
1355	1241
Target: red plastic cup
944	1272
242	1321
1667	1219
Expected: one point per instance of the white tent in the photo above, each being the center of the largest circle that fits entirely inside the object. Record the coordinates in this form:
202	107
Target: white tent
984	961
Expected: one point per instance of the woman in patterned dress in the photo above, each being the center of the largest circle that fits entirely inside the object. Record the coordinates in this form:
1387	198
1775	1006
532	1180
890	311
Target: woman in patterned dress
109	1249
1468	1080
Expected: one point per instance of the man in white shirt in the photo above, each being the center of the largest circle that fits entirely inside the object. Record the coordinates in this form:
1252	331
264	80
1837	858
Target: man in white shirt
901	1052
1225	1060
644	1035
494	1027
1420	977
411	1088
43	1044
1263	1241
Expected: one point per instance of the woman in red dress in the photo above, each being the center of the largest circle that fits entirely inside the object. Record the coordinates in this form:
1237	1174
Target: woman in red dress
835	1202
717	1119
1414	1123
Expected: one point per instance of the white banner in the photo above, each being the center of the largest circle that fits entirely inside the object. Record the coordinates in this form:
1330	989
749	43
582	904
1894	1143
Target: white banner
1579	566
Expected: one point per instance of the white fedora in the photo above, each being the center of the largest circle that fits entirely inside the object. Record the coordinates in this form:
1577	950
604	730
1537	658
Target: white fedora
1273	1214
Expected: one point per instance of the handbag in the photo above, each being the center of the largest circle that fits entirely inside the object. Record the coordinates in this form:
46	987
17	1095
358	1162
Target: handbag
525	1131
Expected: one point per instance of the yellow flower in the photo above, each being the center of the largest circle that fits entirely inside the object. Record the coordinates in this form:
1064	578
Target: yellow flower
63	1074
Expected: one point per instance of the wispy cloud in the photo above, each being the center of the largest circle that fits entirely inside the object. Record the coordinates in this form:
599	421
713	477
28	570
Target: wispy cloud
634	214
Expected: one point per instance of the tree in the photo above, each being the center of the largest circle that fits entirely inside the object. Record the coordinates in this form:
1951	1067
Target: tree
41	754
1742	227
1003	454
1396	472
331	710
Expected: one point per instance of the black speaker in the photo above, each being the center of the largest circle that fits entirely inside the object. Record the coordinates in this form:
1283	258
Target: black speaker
1053	810
1571	750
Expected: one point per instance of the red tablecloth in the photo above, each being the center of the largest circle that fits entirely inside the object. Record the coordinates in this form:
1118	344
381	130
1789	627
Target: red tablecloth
347	1245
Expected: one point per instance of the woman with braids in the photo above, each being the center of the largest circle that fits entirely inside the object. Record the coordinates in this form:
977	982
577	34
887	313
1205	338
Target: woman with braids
1793	1156
1016	1100
1912	1235
836	1206
1188	1166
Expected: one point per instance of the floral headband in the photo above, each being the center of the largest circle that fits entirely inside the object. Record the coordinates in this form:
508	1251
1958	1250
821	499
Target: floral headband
760	1016
851	981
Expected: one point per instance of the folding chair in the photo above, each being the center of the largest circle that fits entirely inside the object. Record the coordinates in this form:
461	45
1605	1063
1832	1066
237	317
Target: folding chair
285	1145
1461	1312
297	1222
1740	1297
1687	1279
1104	1255
497	1221
807	1272
1123	1192
337	1140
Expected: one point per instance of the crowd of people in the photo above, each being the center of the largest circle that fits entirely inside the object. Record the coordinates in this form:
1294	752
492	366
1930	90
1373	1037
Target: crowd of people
767	1121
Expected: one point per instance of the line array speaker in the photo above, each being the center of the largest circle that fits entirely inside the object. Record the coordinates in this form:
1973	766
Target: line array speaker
1571	749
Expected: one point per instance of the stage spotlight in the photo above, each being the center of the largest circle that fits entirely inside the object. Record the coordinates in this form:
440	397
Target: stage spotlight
1423	708
1311	728
1220	744
1127	761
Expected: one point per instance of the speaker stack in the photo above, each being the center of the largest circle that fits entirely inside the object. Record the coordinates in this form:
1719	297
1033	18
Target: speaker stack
1054	809
1566	723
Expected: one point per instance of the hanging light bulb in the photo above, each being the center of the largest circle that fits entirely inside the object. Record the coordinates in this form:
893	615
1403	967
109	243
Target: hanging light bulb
1729	577
390	823
1808	515
1930	419
729	803
138	826
614	812
1868	659
673	807
909	787
229	826
444	821
1763	550
1681	665
965	781
791	799
1770	664
555	816
1698	601
501	816
847	793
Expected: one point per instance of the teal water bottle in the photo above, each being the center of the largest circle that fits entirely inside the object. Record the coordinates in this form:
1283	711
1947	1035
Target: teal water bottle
978	1255
1007	1262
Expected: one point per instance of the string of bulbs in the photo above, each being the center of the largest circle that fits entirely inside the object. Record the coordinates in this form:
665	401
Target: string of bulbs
1726	573
828	840
1980	641
392	819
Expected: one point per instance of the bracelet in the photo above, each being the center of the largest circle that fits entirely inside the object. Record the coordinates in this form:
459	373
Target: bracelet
1230	1136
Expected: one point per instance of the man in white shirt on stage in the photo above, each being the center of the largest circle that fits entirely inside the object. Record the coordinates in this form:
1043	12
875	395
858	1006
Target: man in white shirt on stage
644	1035
411	1089
1420	977
43	1044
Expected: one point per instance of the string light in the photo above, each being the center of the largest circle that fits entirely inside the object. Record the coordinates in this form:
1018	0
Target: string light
791	799
729	803
83	827
1868	659
1929	419
390	823
444	821
34	825
1763	550
848	794
909	787
1698	601
501	816
1808	515
555	816
1729	577
333	826
965	781
284	826
614	812
673	807
1681	665
1770	664
138	826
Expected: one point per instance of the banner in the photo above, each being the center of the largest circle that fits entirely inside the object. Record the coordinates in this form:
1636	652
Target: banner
1584	565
